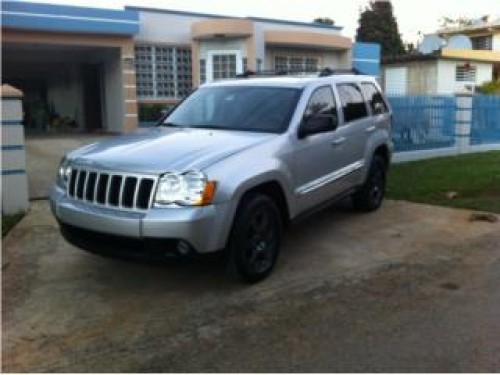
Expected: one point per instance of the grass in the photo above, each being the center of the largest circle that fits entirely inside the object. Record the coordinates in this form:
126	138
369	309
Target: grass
8	222
474	177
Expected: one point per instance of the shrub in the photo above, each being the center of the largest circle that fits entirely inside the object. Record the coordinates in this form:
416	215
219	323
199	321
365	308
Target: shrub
151	112
492	87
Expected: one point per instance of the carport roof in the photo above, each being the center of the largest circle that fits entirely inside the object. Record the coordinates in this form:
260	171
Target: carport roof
72	19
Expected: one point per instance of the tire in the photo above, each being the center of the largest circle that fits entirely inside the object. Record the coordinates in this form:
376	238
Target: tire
371	194
255	239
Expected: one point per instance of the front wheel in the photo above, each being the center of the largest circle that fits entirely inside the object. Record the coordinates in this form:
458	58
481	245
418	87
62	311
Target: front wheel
371	194
255	238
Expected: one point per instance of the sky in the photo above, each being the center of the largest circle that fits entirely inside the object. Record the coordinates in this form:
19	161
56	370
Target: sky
412	16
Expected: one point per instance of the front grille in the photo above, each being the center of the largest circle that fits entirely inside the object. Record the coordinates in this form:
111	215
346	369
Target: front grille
134	192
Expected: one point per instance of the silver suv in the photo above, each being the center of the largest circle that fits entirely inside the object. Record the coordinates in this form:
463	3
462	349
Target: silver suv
228	168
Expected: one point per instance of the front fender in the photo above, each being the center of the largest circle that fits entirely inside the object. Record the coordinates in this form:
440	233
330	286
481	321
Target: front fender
234	180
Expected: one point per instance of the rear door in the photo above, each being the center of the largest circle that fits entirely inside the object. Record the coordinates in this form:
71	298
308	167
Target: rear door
378	107
352	135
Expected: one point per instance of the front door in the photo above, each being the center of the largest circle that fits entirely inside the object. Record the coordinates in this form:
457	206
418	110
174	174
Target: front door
223	65
92	96
318	159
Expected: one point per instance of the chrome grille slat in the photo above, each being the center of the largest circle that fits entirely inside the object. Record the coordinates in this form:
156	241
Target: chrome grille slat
136	192
77	180
94	200
108	188
85	184
120	195
138	197
152	193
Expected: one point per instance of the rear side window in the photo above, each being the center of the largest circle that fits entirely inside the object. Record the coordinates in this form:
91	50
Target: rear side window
353	104
375	99
321	103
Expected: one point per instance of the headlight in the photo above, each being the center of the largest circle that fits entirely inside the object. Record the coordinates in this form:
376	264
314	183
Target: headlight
64	173
191	188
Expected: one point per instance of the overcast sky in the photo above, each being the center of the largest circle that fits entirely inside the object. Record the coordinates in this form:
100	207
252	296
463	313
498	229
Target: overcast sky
412	15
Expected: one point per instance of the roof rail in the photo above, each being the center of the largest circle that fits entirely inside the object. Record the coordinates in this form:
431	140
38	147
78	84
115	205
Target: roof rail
325	72
266	73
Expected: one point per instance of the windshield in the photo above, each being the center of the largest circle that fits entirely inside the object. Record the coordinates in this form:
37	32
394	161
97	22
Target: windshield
245	108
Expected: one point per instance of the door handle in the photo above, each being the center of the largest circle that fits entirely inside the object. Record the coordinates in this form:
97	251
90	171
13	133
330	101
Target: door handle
338	141
371	129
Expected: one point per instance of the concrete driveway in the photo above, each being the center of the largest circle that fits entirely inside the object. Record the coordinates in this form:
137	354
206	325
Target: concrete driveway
409	288
43	154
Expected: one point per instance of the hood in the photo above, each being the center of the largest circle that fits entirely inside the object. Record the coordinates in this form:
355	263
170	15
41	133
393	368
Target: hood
162	149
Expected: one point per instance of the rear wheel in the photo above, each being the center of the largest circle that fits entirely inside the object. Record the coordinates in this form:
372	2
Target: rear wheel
255	238
370	196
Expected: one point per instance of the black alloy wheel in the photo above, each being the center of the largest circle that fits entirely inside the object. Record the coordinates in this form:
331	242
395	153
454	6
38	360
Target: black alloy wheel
255	239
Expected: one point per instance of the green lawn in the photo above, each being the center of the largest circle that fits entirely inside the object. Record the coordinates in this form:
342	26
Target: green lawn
475	177
8	221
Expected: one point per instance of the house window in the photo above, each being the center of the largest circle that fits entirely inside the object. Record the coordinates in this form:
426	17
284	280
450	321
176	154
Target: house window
482	42
287	63
162	72
203	71
465	73
224	66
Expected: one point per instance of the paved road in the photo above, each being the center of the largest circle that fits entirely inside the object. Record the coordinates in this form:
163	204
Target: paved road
409	288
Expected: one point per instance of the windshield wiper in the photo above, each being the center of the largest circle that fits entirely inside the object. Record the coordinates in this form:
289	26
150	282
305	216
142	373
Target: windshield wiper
213	127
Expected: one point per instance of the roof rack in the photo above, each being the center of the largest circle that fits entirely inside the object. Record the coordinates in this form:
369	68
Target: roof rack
325	72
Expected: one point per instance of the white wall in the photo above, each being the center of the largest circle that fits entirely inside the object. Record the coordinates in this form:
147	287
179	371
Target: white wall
113	106
496	42
165	28
447	84
262	26
14	181
222	45
395	80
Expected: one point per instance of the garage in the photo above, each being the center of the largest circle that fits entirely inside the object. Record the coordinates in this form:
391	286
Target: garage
74	66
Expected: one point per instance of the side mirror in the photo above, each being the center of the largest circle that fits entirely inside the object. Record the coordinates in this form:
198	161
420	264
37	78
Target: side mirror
316	124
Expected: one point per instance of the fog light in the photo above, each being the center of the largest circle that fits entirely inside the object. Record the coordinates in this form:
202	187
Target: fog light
183	248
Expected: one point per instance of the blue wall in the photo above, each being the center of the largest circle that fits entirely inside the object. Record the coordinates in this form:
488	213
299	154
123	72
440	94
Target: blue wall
366	58
63	18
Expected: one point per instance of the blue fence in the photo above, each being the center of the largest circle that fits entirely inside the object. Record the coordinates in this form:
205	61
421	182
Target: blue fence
423	122
485	126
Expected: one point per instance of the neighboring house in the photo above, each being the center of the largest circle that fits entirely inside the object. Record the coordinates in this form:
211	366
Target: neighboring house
177	50
448	69
484	35
445	72
88	69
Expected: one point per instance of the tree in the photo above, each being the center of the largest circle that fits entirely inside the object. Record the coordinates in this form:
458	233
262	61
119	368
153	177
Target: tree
324	21
377	24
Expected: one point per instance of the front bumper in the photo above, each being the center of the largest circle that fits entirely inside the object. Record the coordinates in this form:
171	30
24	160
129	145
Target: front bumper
205	229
